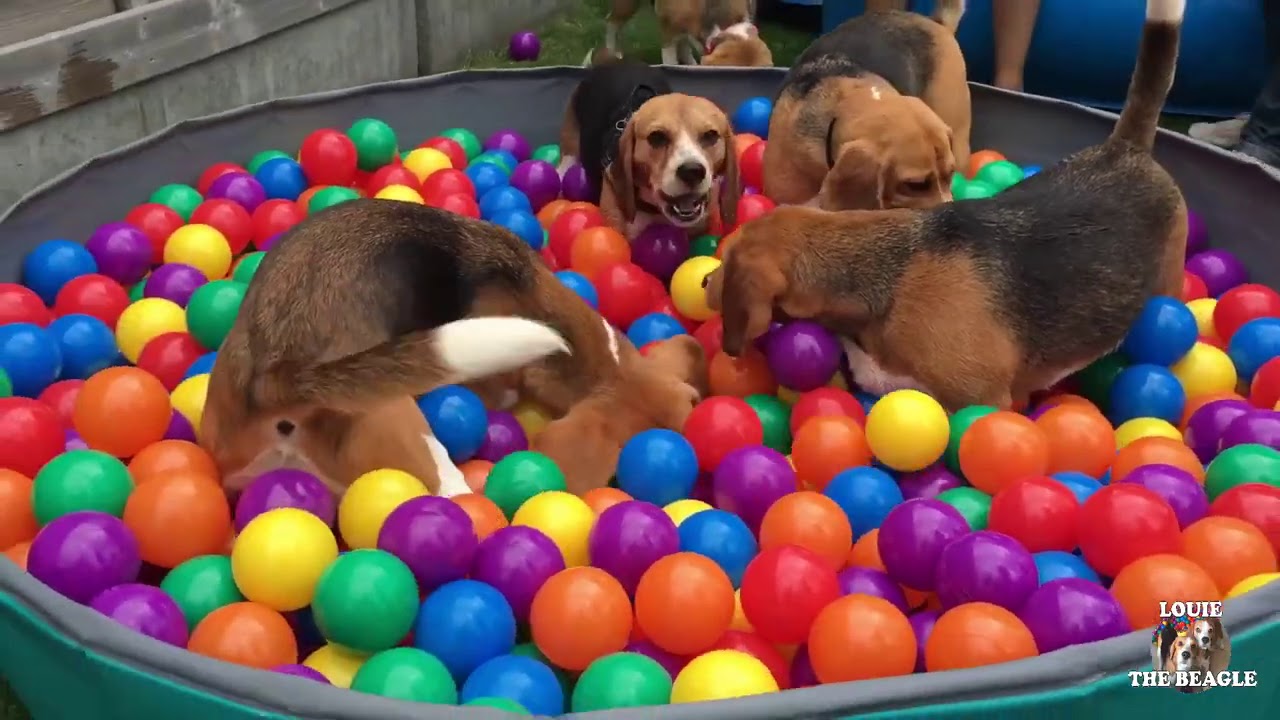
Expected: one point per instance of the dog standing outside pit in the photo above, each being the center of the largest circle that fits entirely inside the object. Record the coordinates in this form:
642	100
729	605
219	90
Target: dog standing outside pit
722	31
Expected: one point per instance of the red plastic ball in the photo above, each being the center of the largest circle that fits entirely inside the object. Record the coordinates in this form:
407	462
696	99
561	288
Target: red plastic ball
168	356
461	204
1039	512
1257	504
360	180
446	182
1264	388
626	292
825	401
720	425
549	258
389	175
274	217
711	335
30	435
1193	288
20	304
760	649
784	589
1241	304
751	207
61	396
1124	522
565	228
157	222
328	157
751	164
457	156
93	294
227	217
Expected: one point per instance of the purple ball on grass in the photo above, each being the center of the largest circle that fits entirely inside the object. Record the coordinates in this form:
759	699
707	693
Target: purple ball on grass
524	46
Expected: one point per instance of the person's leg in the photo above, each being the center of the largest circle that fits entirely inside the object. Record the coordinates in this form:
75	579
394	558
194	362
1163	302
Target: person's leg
1014	21
1260	137
1227	133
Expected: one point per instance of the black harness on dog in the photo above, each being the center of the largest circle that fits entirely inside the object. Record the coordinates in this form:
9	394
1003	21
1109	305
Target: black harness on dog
621	117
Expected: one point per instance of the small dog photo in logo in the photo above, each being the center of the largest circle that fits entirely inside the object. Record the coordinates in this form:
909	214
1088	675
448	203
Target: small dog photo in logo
1192	650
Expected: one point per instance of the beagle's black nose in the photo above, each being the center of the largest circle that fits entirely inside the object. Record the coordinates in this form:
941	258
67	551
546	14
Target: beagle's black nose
691	173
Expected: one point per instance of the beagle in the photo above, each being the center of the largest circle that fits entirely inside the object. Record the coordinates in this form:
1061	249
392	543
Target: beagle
875	114
978	302
1185	656
1211	636
652	152
723	30
363	307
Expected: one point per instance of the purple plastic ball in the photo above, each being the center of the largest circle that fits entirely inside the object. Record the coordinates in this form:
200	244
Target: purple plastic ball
175	282
986	566
803	355
83	553
576	186
912	537
659	249
749	190
1072	611
629	537
1219	269
265	245
928	483
180	428
73	441
504	436
869	581
510	141
285	488
517	560
802	674
1197	233
1177	487
538	180
144	609
750	480
241	188
922	623
670	662
524	46
301	671
122	251
1208	423
704	489
434	536
1257	427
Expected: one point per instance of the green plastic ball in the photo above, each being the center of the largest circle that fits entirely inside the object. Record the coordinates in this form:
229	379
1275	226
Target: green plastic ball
182	199
960	423
957	184
498	703
257	160
375	143
621	680
136	291
971	503
1000	174
518	477
6	385
547	153
704	246
407	674
329	197
248	267
80	480
1095	381
1241	465
493	159
200	586
466	139
366	600
212	310
775	416
974	190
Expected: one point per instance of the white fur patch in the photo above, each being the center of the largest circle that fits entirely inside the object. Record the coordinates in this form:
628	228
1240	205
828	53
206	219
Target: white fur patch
477	347
872	378
452	481
1170	11
613	341
875	93
686	150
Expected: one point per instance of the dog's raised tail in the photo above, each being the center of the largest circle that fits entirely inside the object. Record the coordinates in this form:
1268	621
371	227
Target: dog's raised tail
1153	74
948	13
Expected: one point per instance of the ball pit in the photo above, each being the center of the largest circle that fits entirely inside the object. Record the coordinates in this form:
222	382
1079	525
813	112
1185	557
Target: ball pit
738	558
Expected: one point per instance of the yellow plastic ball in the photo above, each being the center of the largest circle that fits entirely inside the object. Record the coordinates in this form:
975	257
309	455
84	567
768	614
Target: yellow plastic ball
202	247
337	664
1205	369
722	675
531	416
402	193
687	292
279	556
740	621
425	161
907	430
787	395
145	320
680	510
1251	583
564	518
368	502
189	399
1142	427
1202	310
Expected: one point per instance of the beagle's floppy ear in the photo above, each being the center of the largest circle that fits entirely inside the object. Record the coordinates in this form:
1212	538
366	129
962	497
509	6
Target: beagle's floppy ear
731	187
622	173
746	288
858	177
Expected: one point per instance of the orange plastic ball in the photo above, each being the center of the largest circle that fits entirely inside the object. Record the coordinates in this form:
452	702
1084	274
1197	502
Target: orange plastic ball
475	473
1002	447
866	553
982	158
177	517
684	603
18	554
1143	584
245	633
596	248
977	634
811	520
304	200
571	601
17	520
1155	451
825	445
861	637
486	517
742	141
741	376
551	211
1080	438
121	410
1229	549
603	498
168	457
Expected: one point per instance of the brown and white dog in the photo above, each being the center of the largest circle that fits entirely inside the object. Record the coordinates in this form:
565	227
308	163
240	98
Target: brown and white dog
363	307
875	114
652	152
724	31
1184	655
979	302
1211	636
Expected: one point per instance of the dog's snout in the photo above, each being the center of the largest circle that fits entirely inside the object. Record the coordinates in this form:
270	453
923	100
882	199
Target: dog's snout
691	173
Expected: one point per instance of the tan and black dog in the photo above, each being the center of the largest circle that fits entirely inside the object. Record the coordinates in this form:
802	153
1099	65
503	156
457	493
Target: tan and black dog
982	302
723	31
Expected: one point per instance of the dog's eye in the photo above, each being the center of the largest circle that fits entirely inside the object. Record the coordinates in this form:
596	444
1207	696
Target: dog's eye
709	138
659	139
918	186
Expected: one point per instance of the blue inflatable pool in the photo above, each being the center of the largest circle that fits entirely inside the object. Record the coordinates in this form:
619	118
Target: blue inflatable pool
1084	50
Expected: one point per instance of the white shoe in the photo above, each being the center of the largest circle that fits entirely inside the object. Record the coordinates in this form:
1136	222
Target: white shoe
1224	133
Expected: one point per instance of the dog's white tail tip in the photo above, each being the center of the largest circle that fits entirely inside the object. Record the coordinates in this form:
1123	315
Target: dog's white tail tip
1170	11
477	347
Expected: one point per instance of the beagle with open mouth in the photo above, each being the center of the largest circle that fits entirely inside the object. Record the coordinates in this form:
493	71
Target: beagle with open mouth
653	153
978	302
875	114
363	307
723	31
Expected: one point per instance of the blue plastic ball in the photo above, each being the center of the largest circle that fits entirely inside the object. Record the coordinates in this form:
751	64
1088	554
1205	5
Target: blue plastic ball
52	264
1030	170
282	178
524	225
752	116
465	623
86	343
721	536
521	679
1253	344
30	356
866	400
579	283
1164	331
657	466
457	418
653	327
202	365
1056	564
502	200
1081	485
503	159
486	176
1146	391
866	494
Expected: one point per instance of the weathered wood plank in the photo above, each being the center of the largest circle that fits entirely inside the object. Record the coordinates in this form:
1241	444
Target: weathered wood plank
72	66
26	19
131	4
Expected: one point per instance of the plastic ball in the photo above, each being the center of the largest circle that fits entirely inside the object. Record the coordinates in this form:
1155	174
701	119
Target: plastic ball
188	398
521	681
1178	487
751	164
657	466
1163	332
486	177
881	632
621	680
144	609
1250	584
907	430
628	538
52	264
328	157
988	567
1080	439
1000	174
202	247
580	285
81	554
337	664
1058	564
284	487
457	418
1242	465
826	446
1001	447
201	585
122	392
752	116
145	320
433	536
406	674
538	180
803	355
684	603
784	589
174	282
1038	512
239	187
157	222
1071	611
750	480
517	561
245	633
281	179
977	634
809	520
365	600
85	343
400	193
972	504
1253	344
464	623
1146	391
1258	427
30	357
503	436
912	537
520	476
79	480
775	418
564	518
17	519
857	580
327	197
626	291
660	249
370	500
122	252
279	557
1123	523
1229	549
687	289
31	435
742	376
722	537
926	483
178	517
1143	584
1256	504
571	600
720	425
722	675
